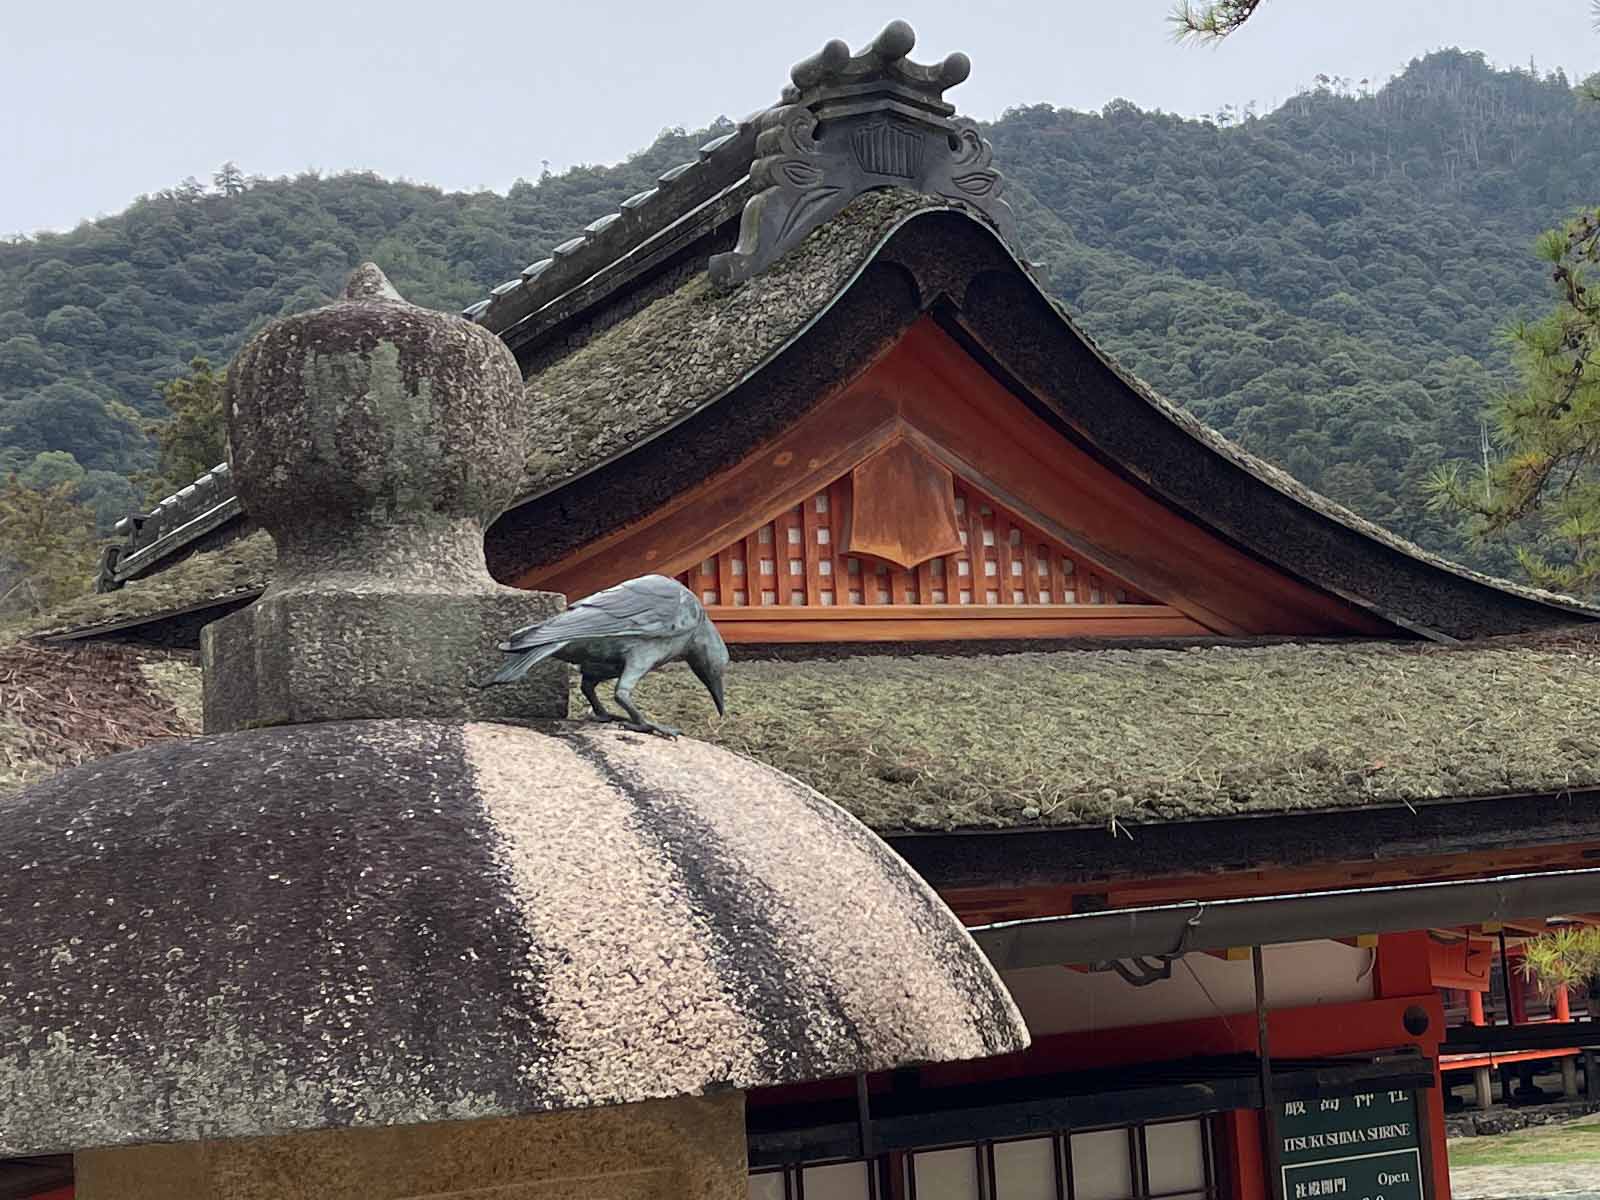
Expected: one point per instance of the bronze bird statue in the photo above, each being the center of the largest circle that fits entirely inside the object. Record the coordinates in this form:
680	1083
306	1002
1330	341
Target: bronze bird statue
623	633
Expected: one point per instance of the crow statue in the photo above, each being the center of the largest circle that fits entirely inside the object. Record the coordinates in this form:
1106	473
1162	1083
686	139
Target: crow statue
623	633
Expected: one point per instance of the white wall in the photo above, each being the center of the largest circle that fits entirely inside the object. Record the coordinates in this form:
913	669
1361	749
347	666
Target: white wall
1061	1000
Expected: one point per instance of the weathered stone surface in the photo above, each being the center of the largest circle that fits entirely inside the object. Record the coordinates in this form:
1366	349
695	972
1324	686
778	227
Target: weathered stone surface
375	440
322	665
659	1150
372	923
1506	1119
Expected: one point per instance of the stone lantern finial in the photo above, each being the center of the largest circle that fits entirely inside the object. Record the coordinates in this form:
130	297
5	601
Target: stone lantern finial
375	440
368	282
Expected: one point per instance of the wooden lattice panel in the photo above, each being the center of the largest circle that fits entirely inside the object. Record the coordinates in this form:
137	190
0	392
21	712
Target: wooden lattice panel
800	560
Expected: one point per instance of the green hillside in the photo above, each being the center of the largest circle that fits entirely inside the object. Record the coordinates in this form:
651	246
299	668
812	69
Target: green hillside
1324	283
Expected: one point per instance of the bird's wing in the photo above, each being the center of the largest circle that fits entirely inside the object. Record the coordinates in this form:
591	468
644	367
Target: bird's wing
650	606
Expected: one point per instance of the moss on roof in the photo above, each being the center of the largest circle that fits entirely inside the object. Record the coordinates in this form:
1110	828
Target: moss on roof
1102	736
1061	738
639	377
237	569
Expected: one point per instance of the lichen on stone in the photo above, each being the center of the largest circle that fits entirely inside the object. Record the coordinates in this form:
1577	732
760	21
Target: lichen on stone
391	922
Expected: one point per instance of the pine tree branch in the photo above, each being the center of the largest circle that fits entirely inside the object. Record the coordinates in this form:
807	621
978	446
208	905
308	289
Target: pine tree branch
1215	20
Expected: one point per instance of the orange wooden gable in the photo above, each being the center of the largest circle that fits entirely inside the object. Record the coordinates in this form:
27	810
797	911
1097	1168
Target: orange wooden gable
924	501
809	555
812	556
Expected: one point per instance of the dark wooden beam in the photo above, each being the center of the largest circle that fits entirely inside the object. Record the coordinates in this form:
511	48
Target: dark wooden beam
24	1177
1046	857
1509	1039
1036	1107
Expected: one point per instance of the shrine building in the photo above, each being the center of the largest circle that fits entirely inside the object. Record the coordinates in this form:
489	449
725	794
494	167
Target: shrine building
1241	793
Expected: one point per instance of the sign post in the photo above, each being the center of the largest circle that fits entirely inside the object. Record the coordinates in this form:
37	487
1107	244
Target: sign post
1363	1147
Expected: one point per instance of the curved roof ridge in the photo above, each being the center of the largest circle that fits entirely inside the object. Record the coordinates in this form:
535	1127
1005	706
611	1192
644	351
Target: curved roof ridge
600	406
176	520
792	296
1263	469
721	164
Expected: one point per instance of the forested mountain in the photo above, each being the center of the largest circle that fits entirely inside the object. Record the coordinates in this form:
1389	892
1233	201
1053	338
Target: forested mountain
1324	283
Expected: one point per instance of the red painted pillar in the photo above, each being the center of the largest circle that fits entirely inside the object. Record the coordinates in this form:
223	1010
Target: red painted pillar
1404	969
1475	1008
1240	1143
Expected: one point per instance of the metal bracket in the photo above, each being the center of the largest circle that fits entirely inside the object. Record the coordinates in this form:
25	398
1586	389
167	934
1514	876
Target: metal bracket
1146	969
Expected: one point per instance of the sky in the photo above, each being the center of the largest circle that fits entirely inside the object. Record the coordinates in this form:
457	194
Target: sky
102	100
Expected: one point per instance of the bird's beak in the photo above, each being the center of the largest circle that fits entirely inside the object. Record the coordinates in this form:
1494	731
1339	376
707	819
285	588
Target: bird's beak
715	688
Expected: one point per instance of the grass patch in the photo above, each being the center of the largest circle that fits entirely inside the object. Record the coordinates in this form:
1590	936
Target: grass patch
1574	1143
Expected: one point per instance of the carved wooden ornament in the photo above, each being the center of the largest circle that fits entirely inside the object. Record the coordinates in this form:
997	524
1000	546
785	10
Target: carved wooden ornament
849	124
904	507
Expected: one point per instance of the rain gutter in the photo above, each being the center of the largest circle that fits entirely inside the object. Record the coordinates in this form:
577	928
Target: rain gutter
1173	929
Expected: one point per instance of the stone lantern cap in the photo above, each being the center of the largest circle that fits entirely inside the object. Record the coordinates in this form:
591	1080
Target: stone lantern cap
307	921
392	922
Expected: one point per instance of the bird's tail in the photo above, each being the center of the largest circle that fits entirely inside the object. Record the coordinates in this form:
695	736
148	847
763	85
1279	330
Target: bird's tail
519	666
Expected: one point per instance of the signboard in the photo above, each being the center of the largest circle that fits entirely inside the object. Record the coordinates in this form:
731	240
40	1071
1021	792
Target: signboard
1364	1147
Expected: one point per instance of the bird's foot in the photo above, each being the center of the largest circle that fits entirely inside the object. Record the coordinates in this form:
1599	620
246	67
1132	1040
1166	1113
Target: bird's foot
666	731
600	716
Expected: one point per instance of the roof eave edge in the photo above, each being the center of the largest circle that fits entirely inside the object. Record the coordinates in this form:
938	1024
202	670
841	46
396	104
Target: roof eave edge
1263	471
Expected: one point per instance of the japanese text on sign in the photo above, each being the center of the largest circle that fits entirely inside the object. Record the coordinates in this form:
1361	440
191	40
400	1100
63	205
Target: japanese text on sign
1362	1147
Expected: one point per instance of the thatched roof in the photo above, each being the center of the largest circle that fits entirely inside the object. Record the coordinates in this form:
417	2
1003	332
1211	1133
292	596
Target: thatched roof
232	573
672	380
1130	736
61	707
688	345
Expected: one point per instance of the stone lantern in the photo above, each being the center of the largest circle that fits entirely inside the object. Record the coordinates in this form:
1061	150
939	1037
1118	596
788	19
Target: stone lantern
381	934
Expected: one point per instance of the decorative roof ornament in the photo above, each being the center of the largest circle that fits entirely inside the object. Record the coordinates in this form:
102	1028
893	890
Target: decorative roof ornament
852	123
845	125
